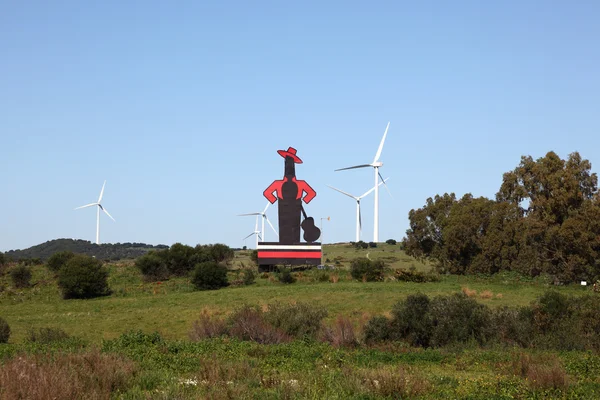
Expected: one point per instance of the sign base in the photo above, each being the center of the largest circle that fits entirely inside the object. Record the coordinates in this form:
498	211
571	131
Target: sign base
275	253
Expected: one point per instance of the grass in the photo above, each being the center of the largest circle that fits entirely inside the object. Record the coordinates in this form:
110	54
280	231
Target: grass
135	304
171	366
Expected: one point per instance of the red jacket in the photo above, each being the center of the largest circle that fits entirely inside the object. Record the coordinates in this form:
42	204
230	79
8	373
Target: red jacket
302	187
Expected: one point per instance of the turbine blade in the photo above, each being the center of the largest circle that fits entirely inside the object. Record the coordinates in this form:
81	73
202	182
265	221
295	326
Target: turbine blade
101	192
106	212
87	205
341	191
359	219
386	186
258	234
267	206
243	215
381	144
354	167
271	225
249	236
373	188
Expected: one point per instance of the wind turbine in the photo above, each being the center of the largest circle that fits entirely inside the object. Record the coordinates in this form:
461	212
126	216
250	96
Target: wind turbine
264	218
375	164
98	213
256	232
358	199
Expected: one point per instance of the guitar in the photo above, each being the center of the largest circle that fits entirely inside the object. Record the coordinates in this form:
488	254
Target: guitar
311	231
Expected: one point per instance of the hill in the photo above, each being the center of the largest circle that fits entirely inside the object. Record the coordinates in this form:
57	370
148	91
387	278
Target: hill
105	251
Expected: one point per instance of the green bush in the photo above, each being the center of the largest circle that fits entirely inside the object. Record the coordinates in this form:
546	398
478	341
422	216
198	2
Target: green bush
377	329
209	275
4	331
220	252
57	260
179	258
323	277
412	320
248	276
46	335
297	320
21	276
513	326
404	275
83	277
458	318
365	269
285	276
152	266
2	259
372	244
391	241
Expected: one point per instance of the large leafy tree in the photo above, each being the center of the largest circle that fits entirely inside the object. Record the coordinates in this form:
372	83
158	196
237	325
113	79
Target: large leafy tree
546	218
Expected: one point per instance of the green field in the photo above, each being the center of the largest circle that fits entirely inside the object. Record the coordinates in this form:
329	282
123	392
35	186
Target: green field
171	307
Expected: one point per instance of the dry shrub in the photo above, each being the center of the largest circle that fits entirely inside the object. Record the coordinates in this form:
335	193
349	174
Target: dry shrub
207	326
248	323
334	278
395	383
499	295
89	375
468	292
214	371
341	333
486	294
543	373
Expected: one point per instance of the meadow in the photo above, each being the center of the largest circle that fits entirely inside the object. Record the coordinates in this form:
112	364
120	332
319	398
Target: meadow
142	329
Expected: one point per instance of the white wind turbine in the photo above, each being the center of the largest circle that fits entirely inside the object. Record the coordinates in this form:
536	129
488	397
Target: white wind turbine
375	164
98	213
256	232
264	218
358	199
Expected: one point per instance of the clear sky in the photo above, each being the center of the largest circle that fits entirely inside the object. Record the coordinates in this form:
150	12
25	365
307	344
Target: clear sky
182	106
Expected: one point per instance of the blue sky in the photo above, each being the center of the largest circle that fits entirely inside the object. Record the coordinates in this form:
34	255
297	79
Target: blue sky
181	107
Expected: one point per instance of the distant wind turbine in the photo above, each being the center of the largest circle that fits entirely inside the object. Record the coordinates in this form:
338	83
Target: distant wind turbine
358	199
98	213
256	232
375	164
263	214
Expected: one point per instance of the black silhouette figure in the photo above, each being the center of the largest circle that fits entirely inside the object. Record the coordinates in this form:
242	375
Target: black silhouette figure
290	191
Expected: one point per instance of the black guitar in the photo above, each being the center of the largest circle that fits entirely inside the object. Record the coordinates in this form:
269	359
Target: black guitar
311	231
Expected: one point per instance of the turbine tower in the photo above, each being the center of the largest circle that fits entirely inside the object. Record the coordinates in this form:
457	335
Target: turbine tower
358	199
98	213
264	218
375	164
256	232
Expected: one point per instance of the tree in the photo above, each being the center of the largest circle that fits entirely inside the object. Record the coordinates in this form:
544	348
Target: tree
83	277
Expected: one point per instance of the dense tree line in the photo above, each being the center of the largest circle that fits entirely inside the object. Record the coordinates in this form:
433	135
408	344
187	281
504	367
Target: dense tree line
107	251
545	219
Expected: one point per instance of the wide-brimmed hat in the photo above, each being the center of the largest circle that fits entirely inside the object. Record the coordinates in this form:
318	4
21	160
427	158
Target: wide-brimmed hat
290	152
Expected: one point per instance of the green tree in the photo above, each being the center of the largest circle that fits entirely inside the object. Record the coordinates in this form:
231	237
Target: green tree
83	277
209	275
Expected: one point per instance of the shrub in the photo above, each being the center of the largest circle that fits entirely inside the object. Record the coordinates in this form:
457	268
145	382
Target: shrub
46	335
206	327
323	277
58	260
341	334
21	276
209	275
220	252
152	266
83	277
458	319
372	244
360	245
391	241
365	269
297	320
285	276
415	276
4	331
248	323
377	329
2	259
249	277
412	320
254	256
179	259
513	326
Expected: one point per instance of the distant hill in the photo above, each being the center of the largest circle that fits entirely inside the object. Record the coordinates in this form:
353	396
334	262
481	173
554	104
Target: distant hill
106	251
